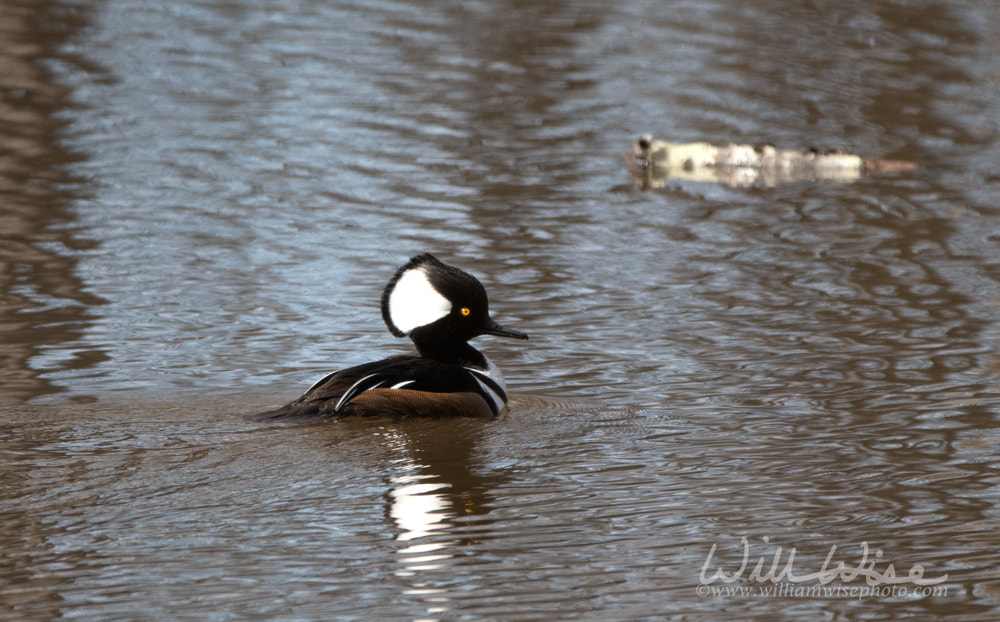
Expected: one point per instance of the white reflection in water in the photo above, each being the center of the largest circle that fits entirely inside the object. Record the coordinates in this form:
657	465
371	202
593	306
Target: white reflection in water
415	509
423	513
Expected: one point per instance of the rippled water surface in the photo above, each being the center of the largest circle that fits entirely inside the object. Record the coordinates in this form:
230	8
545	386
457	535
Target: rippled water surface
203	199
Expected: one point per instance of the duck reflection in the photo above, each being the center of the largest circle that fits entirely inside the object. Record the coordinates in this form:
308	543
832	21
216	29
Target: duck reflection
422	512
437	500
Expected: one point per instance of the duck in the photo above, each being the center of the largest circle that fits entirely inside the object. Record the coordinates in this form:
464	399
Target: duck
440	308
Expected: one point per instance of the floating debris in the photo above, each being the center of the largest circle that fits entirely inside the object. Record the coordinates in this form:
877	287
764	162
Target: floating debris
652	162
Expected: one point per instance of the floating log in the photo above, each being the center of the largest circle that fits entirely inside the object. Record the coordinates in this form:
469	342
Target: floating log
652	162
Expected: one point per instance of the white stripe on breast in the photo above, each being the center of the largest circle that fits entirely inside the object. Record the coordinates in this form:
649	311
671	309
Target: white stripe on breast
493	373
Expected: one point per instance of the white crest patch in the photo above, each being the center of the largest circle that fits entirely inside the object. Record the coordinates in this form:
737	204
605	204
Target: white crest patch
414	302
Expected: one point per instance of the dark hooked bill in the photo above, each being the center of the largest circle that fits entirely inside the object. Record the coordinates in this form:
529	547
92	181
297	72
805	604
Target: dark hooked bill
500	331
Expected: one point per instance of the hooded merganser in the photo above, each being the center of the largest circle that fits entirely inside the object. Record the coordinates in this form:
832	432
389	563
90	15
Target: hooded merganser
440	308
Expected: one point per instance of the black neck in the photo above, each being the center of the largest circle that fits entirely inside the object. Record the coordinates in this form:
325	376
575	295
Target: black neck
445	347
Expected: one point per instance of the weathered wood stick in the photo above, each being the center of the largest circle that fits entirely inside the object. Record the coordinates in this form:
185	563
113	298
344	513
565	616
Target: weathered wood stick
651	162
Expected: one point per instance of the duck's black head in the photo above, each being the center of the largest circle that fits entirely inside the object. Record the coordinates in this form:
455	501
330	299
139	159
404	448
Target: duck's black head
439	307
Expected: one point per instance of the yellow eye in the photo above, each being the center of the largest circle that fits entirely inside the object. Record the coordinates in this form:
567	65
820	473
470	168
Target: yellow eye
465	311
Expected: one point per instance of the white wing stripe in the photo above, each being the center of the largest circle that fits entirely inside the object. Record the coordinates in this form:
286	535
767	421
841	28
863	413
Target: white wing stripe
349	393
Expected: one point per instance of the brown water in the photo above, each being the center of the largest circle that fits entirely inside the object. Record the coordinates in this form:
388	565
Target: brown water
202	199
